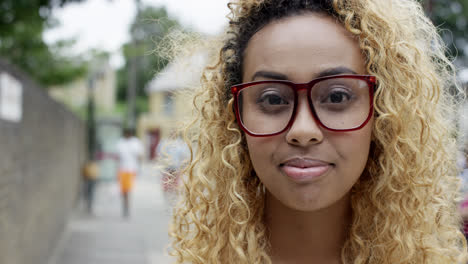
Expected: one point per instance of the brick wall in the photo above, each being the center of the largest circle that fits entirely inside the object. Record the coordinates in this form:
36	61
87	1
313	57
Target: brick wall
40	158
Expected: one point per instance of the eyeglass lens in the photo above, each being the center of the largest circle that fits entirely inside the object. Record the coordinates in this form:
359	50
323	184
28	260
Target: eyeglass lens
339	103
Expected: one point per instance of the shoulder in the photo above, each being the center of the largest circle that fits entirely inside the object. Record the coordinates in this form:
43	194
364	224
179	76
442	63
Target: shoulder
135	141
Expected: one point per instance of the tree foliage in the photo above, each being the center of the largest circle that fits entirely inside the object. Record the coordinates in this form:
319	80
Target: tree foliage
150	26
451	17
22	23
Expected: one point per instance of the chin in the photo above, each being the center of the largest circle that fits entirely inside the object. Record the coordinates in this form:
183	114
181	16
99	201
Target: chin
305	202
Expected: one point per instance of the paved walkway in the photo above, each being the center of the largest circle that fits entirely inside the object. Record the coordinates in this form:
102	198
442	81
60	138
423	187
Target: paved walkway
106	237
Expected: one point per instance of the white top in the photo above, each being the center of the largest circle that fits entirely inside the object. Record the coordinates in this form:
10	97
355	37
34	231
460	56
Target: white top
129	151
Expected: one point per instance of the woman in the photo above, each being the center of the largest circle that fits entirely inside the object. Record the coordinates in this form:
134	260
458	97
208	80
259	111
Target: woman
323	139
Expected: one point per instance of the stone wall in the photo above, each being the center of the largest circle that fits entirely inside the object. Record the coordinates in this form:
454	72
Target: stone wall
40	157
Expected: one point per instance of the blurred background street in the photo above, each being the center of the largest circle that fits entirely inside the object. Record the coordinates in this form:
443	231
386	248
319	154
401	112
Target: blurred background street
105	237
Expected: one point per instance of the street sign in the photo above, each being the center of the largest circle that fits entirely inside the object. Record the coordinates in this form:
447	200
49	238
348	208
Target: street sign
11	98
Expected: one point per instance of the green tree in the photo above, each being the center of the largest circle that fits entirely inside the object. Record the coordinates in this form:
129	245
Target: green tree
150	26
22	23
451	17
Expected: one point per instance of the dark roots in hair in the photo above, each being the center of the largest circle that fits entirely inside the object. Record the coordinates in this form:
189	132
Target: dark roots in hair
244	27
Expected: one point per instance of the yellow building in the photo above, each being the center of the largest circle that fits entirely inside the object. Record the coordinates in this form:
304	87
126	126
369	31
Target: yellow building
169	101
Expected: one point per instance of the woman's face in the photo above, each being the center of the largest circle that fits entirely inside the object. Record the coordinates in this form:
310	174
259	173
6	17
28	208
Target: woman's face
307	167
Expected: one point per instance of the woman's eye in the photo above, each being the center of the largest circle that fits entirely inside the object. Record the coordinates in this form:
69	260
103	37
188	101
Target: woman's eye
272	99
337	97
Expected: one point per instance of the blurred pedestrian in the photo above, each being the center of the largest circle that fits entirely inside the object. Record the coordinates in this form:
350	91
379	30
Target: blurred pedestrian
323	137
130	154
172	154
464	214
462	164
90	174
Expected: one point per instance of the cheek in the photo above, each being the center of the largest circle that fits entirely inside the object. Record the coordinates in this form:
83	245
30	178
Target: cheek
353	149
260	151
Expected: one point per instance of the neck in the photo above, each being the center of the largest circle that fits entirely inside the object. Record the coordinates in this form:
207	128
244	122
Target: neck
307	237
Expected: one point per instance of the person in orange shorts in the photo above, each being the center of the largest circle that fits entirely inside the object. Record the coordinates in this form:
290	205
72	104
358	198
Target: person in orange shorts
126	180
130	152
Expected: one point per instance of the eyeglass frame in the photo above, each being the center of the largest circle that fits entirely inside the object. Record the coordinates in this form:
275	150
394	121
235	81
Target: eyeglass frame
296	87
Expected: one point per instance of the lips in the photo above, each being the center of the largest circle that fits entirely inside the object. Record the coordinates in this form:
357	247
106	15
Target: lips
302	169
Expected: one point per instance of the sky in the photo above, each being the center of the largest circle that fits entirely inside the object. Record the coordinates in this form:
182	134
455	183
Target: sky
104	24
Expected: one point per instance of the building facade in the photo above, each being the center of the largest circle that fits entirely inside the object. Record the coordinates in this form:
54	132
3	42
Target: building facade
170	100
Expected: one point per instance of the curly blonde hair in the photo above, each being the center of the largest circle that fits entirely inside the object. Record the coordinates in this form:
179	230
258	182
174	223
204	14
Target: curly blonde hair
404	204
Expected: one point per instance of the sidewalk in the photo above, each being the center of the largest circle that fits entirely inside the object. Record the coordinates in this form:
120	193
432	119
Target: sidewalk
106	237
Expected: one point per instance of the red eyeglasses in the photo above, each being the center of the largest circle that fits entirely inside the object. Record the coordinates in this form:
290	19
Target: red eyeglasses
338	103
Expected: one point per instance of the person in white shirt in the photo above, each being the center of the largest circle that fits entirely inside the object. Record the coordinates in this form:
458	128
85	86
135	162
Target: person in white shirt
173	154
130	153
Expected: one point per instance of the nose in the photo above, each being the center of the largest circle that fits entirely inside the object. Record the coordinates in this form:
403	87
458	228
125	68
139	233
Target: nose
305	130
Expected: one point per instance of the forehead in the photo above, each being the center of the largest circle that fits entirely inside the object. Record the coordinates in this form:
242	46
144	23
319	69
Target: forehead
301	46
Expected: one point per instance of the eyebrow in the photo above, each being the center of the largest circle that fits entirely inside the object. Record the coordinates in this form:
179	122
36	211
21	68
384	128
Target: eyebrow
280	76
336	71
270	75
